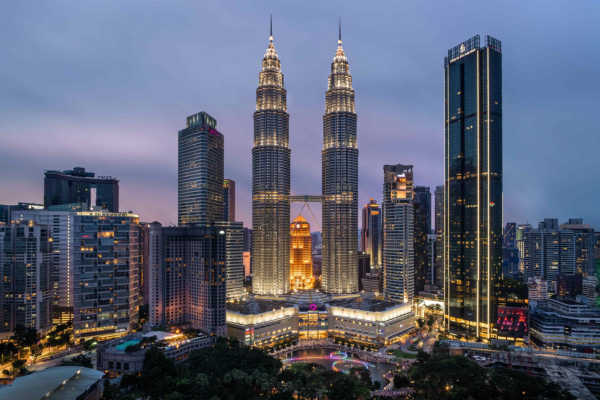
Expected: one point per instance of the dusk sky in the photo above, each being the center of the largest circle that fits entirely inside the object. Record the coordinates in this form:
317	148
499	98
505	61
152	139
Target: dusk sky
106	85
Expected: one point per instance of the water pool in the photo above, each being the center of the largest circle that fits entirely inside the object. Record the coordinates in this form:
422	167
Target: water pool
339	361
123	346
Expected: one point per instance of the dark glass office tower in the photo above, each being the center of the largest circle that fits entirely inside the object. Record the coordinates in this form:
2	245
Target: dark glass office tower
422	226
371	240
439	235
340	181
473	182
510	233
229	200
76	186
271	181
200	175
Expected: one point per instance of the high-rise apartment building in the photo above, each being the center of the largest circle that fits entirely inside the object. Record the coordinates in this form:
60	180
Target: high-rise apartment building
201	169
371	240
79	186
398	233
548	252
473	186
105	274
585	242
439	235
554	249
271	181
422	226
301	274
62	227
229	200
339	181
26	270
188	272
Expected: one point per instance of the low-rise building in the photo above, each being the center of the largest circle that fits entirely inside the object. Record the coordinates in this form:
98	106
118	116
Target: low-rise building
565	324
112	359
262	322
58	383
369	320
363	319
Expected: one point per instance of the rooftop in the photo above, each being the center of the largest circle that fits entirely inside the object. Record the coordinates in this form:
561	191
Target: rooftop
367	303
52	383
258	306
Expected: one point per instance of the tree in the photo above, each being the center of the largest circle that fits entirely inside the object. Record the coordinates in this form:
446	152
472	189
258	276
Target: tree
132	348
90	344
36	350
128	380
191	333
24	337
421	322
401	381
79	361
65	338
430	320
456	377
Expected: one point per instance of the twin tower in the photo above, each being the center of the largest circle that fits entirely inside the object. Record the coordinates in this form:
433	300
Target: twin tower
271	182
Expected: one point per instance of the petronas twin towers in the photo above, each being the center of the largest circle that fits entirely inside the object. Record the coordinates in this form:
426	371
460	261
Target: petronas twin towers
271	181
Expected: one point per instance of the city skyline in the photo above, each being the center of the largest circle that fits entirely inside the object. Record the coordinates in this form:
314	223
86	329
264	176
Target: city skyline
386	129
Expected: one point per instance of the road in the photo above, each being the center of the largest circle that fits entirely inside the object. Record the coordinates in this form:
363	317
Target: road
51	360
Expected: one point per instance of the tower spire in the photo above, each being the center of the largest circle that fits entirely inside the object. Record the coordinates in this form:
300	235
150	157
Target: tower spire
340	38
271	32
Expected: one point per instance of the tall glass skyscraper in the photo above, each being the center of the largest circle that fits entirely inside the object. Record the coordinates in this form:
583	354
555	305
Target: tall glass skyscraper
200	174
473	183
371	241
439	235
229	200
271	181
340	181
422	224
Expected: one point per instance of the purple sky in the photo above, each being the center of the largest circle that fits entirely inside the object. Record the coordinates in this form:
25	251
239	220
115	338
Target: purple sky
106	85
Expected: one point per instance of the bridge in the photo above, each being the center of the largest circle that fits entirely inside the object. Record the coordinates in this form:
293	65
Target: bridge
305	198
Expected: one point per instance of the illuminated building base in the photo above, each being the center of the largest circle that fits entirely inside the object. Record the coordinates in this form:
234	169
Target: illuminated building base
362	319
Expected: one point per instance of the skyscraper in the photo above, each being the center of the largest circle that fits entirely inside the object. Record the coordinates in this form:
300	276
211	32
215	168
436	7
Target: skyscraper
340	181
398	233
422	226
200	174
144	255
301	274
509	235
78	186
585	241
473	184
271	181
371	241
105	274
439	235
187	275
229	200
26	270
